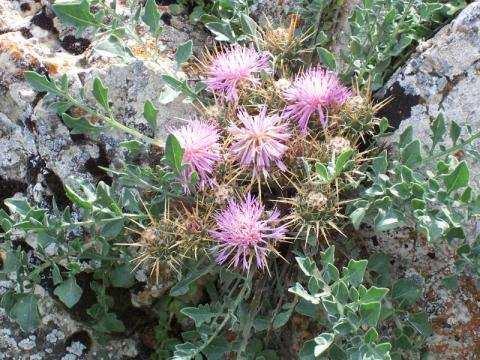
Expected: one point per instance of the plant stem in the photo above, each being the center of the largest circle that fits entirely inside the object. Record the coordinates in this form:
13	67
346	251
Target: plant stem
456	147
110	120
227	317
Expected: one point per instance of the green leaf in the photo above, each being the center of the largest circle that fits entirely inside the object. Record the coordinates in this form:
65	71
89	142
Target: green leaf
450	282
76	13
41	83
249	26
68	292
151	16
201	314
18	206
306	308
173	153
113	46
356	217
299	290
379	262
133	146
282	318
380	164
112	228
56	275
12	262
308	350
222	31
25	312
109	323
327	58
387	220
455	131
80	125
370	313
406	137
411	154
322	343
77	199
184	52
406	292
373	294
438	129
420	322
123	276
307	265
181	288
371	335
322	172
185	351
458	178
355	271
342	160
150	113
100	92
6	222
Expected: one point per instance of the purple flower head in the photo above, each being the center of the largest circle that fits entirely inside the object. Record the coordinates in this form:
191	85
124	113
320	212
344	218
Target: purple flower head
260	142
245	233
315	90
199	140
239	64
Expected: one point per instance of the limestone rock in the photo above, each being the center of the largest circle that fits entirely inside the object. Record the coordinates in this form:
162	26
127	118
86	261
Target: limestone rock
441	77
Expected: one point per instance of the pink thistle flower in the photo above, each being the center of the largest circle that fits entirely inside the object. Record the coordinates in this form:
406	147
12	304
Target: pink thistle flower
237	65
315	90
245	233
260	142
199	140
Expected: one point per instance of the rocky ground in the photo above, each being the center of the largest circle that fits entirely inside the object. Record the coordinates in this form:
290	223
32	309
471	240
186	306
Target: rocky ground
38	154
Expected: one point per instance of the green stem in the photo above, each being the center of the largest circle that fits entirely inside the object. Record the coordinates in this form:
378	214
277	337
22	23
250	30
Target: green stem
456	147
110	120
227	317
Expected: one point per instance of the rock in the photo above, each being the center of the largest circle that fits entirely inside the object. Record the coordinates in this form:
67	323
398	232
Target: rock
441	77
131	85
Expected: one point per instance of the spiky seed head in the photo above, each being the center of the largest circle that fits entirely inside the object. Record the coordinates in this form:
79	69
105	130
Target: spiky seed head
283	84
337	144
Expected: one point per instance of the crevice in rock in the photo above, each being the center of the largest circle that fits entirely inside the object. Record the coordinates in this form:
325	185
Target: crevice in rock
401	105
25	6
167	19
54	183
44	21
35	165
73	45
26	33
81	336
8	188
93	165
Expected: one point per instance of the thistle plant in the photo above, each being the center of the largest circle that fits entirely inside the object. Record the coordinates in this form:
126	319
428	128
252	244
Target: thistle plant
265	171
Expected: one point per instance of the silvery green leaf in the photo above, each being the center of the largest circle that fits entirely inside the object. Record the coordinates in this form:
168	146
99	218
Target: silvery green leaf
100	92
151	17
458	178
184	52
76	13
69	292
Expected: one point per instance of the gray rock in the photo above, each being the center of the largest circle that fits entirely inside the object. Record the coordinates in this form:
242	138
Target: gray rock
442	76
